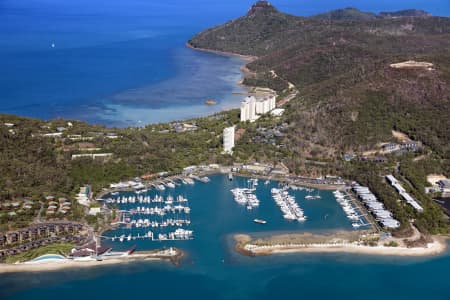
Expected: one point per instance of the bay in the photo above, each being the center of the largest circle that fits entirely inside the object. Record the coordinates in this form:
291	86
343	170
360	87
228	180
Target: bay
212	269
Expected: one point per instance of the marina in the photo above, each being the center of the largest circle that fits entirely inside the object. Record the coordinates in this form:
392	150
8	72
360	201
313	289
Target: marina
158	212
312	197
215	217
155	207
290	209
139	186
246	196
178	235
351	211
178	214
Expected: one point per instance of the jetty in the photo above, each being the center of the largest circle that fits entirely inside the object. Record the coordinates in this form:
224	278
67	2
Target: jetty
289	207
140	212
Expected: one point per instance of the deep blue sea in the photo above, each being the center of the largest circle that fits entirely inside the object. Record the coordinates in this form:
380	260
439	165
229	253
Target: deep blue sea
213	270
123	63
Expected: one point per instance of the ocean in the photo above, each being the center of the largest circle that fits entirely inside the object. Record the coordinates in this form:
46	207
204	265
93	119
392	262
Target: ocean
212	269
124	63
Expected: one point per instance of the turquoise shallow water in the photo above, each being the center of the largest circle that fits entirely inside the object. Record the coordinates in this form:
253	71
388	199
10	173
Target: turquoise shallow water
212	270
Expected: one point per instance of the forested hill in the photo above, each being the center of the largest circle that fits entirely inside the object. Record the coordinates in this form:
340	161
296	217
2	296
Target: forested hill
355	14
350	97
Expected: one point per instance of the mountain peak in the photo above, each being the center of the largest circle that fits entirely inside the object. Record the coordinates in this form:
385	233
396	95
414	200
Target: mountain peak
261	7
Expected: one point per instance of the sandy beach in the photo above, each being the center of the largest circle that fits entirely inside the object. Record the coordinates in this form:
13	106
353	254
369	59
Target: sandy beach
68	264
247	246
247	58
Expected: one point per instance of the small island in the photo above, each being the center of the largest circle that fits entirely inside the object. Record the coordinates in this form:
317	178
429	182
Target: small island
210	102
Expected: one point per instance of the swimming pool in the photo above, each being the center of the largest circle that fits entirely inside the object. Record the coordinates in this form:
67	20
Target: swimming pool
48	257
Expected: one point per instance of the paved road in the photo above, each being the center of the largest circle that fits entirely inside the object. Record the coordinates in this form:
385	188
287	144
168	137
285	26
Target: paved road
38	217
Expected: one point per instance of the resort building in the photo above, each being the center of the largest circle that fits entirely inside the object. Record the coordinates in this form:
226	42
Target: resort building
257	168
444	186
228	139
248	109
265	105
93	211
112	135
102	156
184	127
407	197
277	112
53	135
252	107
410	146
38	231
280	170
390	147
376	207
84	196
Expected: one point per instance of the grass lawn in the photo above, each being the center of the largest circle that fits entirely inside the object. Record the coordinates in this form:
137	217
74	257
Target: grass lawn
61	248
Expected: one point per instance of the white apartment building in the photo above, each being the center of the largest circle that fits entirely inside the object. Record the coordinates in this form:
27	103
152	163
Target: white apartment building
248	109
265	105
252	107
228	139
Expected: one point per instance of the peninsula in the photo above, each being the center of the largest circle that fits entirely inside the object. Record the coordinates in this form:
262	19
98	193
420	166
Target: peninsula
171	255
337	242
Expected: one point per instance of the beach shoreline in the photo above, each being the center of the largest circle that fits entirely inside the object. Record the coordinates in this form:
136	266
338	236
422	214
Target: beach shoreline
247	58
140	256
245	245
244	69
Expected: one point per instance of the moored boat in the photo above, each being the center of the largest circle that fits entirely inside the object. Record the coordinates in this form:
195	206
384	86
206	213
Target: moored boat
260	221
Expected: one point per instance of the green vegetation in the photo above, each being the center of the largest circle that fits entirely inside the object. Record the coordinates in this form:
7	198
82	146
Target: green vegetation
267	80
349	97
61	248
391	244
431	221
33	165
36	166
